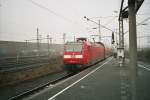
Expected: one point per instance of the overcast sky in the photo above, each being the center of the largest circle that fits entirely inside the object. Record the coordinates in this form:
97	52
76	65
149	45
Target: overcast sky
20	18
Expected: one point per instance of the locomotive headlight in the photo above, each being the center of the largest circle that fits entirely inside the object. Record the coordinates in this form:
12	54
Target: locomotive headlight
67	56
78	56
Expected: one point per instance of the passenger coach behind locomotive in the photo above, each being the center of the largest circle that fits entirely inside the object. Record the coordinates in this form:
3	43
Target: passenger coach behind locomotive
82	53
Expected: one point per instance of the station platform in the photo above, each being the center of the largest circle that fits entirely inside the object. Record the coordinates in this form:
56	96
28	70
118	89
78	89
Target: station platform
107	81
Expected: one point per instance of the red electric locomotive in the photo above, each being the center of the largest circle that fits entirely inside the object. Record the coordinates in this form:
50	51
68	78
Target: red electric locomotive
82	53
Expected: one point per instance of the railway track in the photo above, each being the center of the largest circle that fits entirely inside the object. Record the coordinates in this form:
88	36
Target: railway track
37	89
12	63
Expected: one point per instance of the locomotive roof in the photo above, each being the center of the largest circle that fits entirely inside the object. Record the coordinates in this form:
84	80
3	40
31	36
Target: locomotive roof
87	42
100	43
74	42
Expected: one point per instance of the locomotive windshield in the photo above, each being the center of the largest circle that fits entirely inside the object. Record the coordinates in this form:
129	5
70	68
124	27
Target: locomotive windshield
74	47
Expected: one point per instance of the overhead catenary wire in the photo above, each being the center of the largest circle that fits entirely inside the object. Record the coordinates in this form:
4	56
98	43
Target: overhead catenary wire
49	10
89	19
139	23
102	17
54	13
110	21
143	21
148	13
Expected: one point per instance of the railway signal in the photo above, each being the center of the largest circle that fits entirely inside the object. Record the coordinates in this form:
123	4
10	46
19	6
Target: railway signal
112	38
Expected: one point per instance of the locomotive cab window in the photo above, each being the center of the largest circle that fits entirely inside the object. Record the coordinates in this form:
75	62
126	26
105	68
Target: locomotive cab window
74	47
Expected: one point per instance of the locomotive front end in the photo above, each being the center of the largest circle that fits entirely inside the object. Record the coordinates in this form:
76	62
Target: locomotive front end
73	57
73	53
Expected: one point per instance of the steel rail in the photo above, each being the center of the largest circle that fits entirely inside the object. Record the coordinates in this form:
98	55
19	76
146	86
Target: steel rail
32	91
